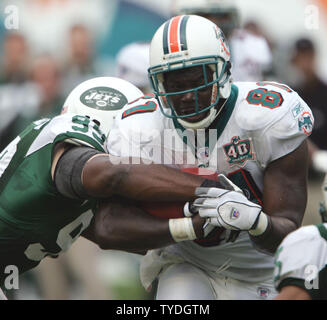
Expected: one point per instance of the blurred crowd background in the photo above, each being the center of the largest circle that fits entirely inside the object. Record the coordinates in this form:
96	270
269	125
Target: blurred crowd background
50	46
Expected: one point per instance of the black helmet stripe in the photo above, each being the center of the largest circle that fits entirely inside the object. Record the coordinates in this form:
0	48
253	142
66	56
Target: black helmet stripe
182	33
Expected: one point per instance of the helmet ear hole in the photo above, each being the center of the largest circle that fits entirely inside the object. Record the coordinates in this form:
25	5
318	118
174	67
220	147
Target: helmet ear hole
228	68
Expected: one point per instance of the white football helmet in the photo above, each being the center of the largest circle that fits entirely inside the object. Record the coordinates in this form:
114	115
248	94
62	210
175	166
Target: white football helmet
101	99
185	42
133	63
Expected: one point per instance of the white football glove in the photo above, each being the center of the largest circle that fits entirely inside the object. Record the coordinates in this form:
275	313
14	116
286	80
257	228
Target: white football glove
229	209
189	211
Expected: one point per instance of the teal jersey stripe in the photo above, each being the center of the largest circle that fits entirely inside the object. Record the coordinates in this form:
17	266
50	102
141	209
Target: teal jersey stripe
149	106
226	113
322	230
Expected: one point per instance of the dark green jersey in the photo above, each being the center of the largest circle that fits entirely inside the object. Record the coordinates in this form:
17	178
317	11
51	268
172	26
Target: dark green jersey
35	220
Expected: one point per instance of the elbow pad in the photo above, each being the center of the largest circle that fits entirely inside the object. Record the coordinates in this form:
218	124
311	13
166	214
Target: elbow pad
68	172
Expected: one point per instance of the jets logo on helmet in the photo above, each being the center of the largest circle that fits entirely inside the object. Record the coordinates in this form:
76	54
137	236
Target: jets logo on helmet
101	99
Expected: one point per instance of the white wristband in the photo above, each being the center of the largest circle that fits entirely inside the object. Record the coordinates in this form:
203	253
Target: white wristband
261	226
181	229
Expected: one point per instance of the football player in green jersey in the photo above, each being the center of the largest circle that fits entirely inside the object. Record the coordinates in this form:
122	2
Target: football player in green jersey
301	260
57	169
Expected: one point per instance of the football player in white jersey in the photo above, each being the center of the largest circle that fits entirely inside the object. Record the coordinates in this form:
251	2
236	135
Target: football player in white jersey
133	63
252	132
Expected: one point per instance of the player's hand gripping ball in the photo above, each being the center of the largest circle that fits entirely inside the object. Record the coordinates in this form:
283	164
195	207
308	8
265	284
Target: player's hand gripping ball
173	210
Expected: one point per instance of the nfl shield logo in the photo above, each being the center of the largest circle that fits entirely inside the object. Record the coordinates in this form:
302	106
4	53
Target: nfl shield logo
235	214
203	156
263	292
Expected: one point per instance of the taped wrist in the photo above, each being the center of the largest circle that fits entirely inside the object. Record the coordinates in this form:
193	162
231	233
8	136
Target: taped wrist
182	229
68	173
261	226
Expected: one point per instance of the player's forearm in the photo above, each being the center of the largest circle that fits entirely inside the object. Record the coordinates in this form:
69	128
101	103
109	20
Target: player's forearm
136	236
157	182
118	226
277	229
151	182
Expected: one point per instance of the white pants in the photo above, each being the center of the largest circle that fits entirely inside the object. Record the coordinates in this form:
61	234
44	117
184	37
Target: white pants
184	281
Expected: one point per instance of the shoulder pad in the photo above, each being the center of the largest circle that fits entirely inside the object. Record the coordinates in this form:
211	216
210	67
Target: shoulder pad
138	127
144	113
76	129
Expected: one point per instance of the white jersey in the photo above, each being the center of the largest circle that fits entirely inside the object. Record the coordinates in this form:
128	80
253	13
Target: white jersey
301	260
260	123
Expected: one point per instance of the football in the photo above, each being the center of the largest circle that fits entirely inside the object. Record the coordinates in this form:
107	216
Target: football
172	210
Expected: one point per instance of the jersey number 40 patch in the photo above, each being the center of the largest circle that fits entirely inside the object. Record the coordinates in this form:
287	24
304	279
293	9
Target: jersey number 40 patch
238	151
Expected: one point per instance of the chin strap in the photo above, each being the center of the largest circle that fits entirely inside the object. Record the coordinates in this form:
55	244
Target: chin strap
204	123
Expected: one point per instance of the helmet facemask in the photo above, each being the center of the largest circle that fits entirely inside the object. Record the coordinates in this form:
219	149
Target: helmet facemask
220	76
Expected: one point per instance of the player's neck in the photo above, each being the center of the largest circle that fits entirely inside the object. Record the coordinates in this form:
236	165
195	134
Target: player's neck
219	107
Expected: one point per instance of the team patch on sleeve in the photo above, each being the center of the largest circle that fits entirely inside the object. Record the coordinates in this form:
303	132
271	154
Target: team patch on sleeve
305	123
